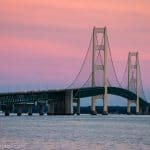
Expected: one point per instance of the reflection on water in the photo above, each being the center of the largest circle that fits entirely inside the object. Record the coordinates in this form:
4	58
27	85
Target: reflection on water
112	132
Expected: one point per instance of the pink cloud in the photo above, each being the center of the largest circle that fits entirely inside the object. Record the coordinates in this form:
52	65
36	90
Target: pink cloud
48	39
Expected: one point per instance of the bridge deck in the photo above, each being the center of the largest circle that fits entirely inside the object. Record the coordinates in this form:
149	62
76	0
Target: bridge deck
31	96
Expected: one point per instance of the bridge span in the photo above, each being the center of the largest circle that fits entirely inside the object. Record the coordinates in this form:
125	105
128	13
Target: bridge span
96	79
60	102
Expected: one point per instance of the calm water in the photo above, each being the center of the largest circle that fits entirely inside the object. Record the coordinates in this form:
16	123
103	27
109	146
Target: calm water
85	132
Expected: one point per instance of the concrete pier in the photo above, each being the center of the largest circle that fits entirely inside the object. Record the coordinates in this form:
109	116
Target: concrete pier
93	105
30	105
141	111
7	109
137	106
69	102
41	108
50	107
7	113
19	109
78	106
147	110
105	105
128	107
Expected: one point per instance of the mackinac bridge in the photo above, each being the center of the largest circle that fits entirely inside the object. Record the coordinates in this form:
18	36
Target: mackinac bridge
96	79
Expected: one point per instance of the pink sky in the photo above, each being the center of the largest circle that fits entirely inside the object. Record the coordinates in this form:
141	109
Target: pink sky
43	43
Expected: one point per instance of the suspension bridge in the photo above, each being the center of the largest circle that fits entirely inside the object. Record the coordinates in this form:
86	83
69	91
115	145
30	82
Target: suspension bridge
96	79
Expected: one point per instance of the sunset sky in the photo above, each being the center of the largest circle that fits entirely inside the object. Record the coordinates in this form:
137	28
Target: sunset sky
43	42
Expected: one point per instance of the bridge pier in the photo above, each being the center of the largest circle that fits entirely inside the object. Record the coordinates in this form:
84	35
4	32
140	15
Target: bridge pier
7	109
141	110
7	112
59	107
128	107
138	111
93	107
69	102
78	106
105	105
146	110
19	109
50	107
30	108
137	107
41	108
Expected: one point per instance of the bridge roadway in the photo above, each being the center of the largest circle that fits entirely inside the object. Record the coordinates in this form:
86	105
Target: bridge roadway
60	96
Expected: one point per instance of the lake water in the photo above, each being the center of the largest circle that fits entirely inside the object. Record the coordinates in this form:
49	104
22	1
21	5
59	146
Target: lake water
85	132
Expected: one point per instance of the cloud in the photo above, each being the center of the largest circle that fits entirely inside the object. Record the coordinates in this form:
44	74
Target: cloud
46	41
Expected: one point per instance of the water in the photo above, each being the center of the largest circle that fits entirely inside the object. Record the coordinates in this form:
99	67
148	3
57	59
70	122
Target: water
85	132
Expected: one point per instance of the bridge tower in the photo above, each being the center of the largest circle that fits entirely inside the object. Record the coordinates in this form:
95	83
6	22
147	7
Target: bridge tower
133	79
98	47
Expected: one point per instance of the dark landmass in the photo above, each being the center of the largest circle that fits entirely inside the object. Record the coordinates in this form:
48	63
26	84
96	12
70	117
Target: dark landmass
111	110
